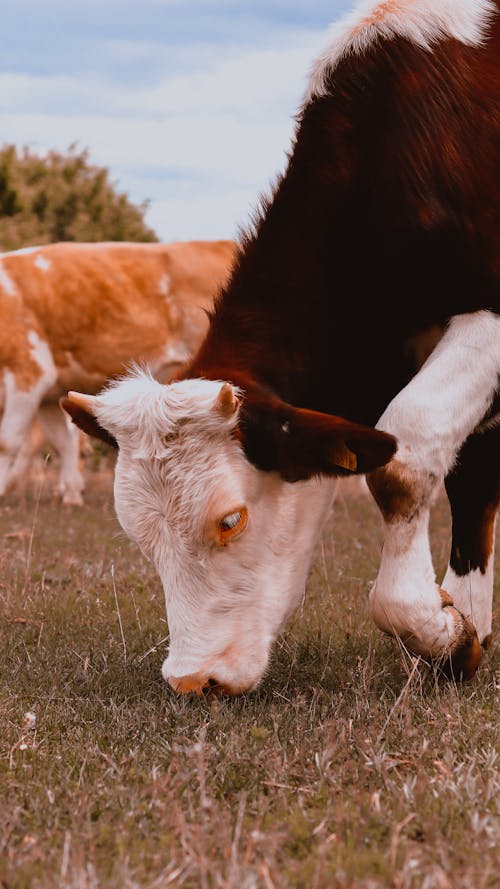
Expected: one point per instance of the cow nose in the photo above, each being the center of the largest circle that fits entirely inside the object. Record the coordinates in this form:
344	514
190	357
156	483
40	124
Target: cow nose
197	683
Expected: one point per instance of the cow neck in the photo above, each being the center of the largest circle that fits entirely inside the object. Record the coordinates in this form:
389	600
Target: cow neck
286	321
334	281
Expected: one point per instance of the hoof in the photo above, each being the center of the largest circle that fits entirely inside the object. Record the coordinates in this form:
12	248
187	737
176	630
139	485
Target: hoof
462	659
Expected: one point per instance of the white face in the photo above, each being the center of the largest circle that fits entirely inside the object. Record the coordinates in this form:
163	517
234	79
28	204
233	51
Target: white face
231	544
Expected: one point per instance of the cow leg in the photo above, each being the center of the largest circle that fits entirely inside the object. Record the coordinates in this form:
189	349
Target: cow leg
473	488
21	404
65	438
431	418
31	445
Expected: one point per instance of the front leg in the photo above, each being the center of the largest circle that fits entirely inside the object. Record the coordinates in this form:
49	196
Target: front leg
431	418
406	601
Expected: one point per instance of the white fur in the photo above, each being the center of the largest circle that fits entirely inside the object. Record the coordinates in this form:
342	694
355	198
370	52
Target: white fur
20	406
6	282
23	251
178	470
431	418
472	595
423	22
164	284
42	263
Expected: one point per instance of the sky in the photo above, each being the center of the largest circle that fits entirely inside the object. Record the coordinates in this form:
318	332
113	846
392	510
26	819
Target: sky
188	103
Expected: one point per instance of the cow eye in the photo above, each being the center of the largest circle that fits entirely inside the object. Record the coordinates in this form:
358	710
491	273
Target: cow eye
231	525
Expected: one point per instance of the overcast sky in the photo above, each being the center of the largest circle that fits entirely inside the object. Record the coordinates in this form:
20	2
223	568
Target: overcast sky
189	103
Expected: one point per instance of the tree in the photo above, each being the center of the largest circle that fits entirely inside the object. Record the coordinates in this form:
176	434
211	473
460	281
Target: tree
63	197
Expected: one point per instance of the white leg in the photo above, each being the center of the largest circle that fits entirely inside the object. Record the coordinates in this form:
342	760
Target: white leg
65	437
21	405
472	595
431	418
32	444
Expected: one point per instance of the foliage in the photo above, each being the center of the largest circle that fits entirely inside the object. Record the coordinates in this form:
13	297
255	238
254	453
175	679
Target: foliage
63	197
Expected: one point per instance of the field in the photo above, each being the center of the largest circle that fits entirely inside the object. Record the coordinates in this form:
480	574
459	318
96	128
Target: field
352	765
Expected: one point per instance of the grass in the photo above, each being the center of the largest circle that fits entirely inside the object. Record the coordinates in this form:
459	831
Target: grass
350	767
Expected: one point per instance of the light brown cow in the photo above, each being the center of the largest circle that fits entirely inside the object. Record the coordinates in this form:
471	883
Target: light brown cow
75	315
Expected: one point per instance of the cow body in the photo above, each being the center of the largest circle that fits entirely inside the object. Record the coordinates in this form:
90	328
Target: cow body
367	289
76	315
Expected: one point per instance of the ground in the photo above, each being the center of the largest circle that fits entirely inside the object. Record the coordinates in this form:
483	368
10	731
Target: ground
352	765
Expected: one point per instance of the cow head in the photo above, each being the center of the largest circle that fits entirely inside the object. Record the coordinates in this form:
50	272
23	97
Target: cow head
225	491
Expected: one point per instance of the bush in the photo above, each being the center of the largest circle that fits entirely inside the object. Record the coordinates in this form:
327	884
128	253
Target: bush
63	197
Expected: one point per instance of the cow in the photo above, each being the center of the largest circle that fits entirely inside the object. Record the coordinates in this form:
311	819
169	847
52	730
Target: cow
378	245
75	315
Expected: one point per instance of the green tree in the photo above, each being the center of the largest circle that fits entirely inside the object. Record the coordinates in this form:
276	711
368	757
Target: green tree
63	197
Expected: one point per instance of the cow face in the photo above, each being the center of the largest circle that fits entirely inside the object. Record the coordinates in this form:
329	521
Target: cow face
232	542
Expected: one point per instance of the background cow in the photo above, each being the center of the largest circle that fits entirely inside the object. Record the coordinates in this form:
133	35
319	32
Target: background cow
384	228
75	315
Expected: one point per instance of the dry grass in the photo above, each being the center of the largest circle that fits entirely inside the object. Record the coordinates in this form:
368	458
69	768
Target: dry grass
350	767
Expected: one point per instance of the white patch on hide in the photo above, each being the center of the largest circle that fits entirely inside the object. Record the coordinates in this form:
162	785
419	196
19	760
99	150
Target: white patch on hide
23	251
6	282
42	263
20	406
164	284
472	594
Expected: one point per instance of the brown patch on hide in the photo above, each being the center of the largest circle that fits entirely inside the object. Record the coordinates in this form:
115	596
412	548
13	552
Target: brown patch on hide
101	306
445	598
473	489
398	493
374	236
299	443
87	422
15	347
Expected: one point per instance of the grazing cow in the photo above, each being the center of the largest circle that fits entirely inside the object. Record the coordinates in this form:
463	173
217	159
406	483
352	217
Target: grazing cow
76	315
380	241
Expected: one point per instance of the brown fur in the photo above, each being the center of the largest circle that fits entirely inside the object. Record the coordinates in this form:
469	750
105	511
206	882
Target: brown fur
384	225
100	306
473	489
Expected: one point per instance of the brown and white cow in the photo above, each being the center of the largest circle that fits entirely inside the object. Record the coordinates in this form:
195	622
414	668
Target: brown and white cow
75	315
382	233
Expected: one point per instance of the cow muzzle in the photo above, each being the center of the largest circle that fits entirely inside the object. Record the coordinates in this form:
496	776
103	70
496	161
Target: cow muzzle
200	683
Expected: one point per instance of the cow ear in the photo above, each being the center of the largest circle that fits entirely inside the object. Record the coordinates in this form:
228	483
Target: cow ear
79	407
300	444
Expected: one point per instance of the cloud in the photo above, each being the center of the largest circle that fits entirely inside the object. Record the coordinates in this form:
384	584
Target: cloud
270	80
189	103
58	36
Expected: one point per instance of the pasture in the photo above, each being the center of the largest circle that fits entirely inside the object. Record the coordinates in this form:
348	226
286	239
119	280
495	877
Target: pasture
351	766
